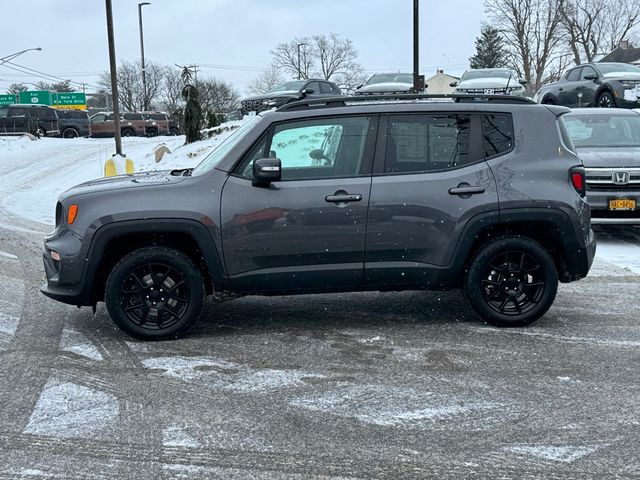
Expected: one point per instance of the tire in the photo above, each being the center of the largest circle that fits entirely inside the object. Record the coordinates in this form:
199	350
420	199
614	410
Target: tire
70	133
511	282
41	132
127	132
606	100
548	101
155	293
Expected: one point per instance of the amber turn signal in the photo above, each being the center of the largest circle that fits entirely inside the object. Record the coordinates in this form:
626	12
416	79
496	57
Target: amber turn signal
71	214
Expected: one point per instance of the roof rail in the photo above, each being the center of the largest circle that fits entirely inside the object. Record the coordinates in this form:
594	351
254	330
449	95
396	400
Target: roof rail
343	101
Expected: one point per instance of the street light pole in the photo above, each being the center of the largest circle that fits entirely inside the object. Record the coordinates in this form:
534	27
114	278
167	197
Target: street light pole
14	55
299	64
145	105
416	47
114	79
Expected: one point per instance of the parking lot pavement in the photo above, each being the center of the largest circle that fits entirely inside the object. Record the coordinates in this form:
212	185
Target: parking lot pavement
373	385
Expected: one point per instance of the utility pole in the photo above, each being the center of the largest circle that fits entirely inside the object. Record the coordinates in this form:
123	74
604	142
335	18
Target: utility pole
299	64
114	79
416	47
145	102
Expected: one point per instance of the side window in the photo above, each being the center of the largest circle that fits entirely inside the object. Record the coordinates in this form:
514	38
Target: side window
497	133
98	118
587	71
326	88
315	86
314	149
574	75
17	112
423	143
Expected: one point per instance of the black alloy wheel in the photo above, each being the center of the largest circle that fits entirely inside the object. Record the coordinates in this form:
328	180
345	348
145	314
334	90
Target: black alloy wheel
511	282
70	133
155	293
606	100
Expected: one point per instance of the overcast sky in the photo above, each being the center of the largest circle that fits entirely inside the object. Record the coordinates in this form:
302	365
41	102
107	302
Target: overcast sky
232	39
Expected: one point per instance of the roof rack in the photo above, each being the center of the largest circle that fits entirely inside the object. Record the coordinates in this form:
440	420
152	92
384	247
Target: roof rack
343	101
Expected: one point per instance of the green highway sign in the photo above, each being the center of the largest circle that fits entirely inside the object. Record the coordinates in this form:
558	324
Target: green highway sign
7	99
68	99
35	97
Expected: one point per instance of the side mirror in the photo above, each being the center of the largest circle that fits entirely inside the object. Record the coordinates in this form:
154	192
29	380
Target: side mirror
453	84
590	76
522	82
265	171
307	91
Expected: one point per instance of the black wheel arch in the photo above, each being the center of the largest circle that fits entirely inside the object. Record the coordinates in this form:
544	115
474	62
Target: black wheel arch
552	228
112	241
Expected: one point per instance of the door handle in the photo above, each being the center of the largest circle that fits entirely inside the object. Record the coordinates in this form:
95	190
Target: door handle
560	89
465	190
343	198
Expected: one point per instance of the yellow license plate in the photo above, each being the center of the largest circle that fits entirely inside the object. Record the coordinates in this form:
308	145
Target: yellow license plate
622	204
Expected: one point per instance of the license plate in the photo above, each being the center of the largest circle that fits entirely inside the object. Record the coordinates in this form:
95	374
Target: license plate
622	204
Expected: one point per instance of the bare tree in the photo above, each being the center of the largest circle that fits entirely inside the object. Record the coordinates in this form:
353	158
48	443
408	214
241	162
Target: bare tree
285	56
171	99
620	23
16	88
335	55
533	32
263	83
130	92
217	96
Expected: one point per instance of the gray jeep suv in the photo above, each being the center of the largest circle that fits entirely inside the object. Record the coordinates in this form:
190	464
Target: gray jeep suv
342	194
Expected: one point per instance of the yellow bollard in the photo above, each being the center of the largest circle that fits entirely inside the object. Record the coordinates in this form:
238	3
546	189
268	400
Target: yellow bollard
118	166
128	168
110	168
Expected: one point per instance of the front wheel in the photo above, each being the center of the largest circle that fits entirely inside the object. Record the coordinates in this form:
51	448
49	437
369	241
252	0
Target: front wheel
155	293
511	282
606	100
70	133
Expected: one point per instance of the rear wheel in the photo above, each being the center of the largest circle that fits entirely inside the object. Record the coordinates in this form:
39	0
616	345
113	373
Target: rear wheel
155	293
69	133
127	132
511	282
606	100
40	131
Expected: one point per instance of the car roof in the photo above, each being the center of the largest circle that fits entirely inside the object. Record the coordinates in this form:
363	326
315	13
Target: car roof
28	105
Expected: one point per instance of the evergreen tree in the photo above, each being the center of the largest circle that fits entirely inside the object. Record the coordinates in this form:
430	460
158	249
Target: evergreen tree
192	111
490	50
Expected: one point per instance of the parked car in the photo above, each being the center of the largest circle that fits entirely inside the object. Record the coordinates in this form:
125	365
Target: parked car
490	81
608	142
387	83
606	85
156	123
26	118
327	195
174	126
289	92
73	123
131	125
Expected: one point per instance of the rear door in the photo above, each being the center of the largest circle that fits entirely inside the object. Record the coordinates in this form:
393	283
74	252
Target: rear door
586	90
432	180
568	90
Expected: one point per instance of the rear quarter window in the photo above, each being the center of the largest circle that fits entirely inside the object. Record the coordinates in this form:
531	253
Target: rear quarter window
497	134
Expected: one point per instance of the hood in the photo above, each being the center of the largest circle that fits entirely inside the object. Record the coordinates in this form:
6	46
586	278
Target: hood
622	76
269	96
489	82
386	87
121	182
609	157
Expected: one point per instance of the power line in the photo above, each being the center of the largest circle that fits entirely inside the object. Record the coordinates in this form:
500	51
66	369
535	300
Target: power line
42	75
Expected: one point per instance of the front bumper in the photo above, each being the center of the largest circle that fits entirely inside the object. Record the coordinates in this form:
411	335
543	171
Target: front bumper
600	213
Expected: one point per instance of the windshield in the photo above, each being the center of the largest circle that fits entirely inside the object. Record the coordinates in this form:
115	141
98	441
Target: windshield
211	160
288	86
612	69
491	73
391	78
603	130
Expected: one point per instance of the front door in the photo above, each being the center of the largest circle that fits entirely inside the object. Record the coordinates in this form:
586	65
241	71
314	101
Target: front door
307	231
434	180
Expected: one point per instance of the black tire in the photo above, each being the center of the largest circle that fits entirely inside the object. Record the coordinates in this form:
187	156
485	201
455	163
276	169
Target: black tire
511	282
41	132
548	101
155	293
127	132
606	100
70	133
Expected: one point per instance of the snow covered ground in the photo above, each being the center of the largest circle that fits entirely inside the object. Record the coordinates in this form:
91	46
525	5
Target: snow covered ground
34	173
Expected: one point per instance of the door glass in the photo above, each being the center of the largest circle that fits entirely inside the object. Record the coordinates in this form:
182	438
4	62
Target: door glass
587	71
422	143
574	75
314	149
325	88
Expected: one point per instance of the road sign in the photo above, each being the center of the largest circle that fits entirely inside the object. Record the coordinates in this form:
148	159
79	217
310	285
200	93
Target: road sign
7	99
35	97
69	100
